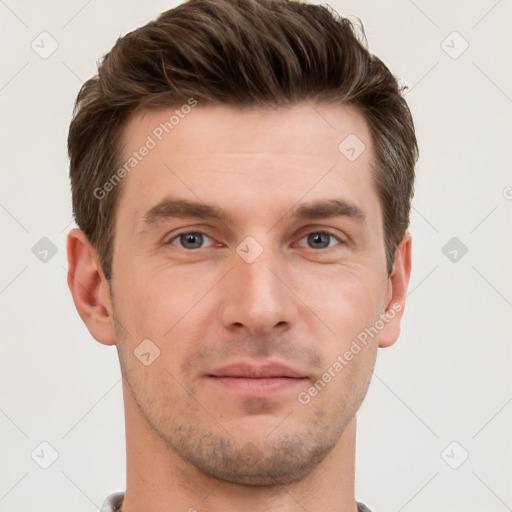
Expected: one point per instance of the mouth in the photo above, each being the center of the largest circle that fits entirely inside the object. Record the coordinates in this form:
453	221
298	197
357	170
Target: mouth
256	386
250	380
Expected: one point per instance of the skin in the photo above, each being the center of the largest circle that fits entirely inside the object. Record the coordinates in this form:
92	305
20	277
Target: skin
192	445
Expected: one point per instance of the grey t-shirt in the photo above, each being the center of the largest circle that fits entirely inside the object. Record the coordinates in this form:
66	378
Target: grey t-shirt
114	501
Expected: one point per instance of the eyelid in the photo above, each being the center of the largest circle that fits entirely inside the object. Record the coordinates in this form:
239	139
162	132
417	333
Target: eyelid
341	239
168	241
307	231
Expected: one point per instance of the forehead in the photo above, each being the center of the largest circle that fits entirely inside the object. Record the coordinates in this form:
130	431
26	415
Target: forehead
220	128
279	155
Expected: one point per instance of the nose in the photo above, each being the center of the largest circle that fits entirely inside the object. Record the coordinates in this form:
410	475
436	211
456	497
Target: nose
259	296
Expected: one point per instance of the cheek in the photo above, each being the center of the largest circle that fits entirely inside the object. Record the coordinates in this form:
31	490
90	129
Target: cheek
346	300
151	304
349	306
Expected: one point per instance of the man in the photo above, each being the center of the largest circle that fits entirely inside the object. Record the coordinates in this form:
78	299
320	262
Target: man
241	172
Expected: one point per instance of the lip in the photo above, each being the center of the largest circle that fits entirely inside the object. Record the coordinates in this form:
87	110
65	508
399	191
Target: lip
256	386
251	380
250	371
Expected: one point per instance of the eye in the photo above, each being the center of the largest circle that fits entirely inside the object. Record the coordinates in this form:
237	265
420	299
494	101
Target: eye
196	240
321	239
190	239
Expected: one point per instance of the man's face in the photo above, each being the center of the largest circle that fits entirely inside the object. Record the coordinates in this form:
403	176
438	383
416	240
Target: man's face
261	285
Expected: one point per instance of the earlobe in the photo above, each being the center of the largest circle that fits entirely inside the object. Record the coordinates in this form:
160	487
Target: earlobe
89	287
398	283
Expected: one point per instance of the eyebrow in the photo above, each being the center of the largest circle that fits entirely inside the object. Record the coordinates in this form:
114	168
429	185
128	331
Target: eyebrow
329	208
171	207
182	208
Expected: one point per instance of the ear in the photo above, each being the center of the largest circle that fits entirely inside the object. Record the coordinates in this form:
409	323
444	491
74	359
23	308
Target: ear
396	295
89	287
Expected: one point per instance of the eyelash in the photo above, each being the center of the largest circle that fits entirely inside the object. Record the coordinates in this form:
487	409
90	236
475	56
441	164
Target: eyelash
199	232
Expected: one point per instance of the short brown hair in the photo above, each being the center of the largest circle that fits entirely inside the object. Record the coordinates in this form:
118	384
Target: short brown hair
241	53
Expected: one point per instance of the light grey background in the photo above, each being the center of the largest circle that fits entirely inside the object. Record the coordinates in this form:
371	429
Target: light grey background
446	379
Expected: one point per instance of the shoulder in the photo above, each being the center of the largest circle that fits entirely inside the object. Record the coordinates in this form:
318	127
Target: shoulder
361	507
112	502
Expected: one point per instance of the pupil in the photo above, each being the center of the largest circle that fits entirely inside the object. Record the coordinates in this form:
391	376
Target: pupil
319	238
192	238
